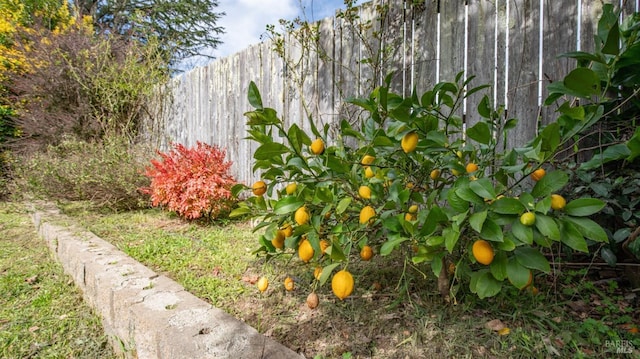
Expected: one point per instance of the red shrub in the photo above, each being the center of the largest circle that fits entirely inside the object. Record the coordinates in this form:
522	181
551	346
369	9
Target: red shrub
191	181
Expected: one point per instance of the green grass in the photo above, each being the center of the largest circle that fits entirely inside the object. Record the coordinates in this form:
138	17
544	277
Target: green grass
42	314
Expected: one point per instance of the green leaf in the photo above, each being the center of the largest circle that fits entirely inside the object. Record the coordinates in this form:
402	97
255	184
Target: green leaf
326	272
484	107
343	205
435	216
391	244
491	231
589	228
254	96
550	183
517	273
583	207
532	259
576	113
483	188
634	145
550	137
297	137
522	233
451	237
477	219
239	212
547	226
507	205
457	203
583	81
270	150
498	266
487	285
287	205
480	132
611	153
573	238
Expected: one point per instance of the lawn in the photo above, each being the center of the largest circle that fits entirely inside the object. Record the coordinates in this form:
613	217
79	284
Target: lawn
395	312
42	314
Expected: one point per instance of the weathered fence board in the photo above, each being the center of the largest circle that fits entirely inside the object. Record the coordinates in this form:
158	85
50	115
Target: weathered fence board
510	44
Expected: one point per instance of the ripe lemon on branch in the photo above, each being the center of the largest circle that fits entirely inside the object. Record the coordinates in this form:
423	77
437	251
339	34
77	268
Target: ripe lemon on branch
342	284
482	252
409	142
259	188
317	146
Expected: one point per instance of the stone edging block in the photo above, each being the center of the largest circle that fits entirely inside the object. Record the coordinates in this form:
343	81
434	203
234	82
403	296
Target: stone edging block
147	315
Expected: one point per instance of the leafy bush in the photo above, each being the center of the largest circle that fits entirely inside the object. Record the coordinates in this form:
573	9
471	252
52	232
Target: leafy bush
193	182
107	173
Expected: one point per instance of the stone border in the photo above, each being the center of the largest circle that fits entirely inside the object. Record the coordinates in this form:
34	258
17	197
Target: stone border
147	315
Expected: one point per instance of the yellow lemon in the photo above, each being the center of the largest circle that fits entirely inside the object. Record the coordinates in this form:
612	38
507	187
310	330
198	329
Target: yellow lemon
435	174
289	285
305	250
301	216
528	219
259	188
287	230
482	252
324	244
410	217
558	202
409	142
368	172
538	174
413	209
317	273
471	167
342	284
367	160
366	253
263	284
366	214
278	239
364	192
317	146
291	188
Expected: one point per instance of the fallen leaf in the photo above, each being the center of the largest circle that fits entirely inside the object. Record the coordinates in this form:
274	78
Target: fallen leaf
32	280
504	331
252	279
216	271
34	328
495	325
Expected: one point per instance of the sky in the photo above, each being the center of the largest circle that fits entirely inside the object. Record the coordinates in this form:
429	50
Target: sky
246	21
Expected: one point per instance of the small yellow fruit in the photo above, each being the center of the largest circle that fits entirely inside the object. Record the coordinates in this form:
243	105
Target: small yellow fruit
459	154
289	285
366	214
259	188
342	284
301	216
324	244
367	160
291	188
317	273
455	172
528	219
471	167
312	300
409	142
364	192
366	253
305	250
278	239
482	252
368	172
435	174
558	202
287	230
413	209
410	217
317	146
538	174
263	284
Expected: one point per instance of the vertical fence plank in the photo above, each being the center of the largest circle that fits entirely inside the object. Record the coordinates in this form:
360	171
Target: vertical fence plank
523	70
481	53
424	18
394	47
326	73
347	67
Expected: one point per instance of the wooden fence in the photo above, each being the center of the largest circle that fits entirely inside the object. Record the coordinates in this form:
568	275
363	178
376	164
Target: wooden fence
509	44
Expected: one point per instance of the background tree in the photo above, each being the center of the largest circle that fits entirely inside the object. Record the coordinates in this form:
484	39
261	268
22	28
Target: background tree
185	28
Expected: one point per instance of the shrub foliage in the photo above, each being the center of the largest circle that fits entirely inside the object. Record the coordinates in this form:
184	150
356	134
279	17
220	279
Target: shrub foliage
193	182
